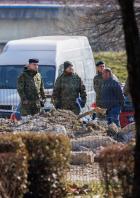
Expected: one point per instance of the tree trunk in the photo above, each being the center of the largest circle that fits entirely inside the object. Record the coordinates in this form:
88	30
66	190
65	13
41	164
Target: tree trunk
132	42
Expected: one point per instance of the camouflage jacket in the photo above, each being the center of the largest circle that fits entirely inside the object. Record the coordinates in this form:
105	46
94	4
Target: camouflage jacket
97	83
30	86
67	88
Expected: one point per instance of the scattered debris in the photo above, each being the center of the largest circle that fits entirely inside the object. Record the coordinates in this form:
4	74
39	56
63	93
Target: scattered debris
92	142
97	110
87	138
129	127
124	135
82	158
5	125
60	120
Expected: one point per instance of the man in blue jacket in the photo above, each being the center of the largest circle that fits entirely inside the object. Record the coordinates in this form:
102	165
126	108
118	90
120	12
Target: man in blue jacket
112	97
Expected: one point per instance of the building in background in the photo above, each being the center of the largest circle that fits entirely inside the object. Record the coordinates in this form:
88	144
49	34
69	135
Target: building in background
29	18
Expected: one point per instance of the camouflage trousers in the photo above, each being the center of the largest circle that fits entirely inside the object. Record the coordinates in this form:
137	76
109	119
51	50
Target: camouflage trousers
31	108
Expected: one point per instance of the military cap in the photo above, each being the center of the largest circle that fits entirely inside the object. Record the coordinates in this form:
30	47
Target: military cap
99	63
33	60
67	64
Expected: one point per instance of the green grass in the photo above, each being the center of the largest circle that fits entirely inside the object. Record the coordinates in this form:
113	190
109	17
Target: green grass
116	61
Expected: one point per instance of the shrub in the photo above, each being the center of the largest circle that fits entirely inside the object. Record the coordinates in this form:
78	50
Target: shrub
117	165
43	165
13	167
48	158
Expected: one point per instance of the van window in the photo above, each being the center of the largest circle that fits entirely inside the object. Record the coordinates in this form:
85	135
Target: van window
48	75
10	73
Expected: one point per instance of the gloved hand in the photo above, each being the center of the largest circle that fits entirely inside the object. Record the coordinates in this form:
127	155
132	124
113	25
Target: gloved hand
58	105
41	103
81	102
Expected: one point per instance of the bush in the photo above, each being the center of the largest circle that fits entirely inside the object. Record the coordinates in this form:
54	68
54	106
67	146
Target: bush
48	158
13	167
43	165
117	165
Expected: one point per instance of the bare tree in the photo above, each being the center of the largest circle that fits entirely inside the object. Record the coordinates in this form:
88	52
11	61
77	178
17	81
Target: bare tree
99	20
132	42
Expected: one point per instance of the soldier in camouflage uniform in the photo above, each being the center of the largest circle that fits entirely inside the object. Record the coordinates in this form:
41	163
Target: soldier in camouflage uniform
67	89
30	88
98	80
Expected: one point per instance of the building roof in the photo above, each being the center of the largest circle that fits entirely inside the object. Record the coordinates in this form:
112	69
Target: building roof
43	1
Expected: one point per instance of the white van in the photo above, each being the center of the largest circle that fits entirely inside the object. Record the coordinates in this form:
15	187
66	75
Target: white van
51	51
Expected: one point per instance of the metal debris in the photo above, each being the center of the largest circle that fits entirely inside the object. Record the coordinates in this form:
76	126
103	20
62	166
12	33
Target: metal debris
92	142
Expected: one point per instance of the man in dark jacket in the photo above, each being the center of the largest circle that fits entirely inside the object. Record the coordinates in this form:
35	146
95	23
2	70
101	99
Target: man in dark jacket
112	97
67	90
30	88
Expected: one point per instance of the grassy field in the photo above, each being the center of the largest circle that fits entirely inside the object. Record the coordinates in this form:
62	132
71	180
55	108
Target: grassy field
116	61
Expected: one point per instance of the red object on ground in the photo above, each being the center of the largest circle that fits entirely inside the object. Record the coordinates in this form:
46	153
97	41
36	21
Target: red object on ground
93	105
13	117
126	118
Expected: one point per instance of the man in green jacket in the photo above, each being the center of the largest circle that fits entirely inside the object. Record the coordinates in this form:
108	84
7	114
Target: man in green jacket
69	91
98	80
31	90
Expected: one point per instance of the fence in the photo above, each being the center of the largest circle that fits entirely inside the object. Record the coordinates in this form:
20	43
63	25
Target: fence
111	176
99	165
9	98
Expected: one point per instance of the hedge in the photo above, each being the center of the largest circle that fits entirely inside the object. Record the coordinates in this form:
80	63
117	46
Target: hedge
47	158
13	167
117	165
